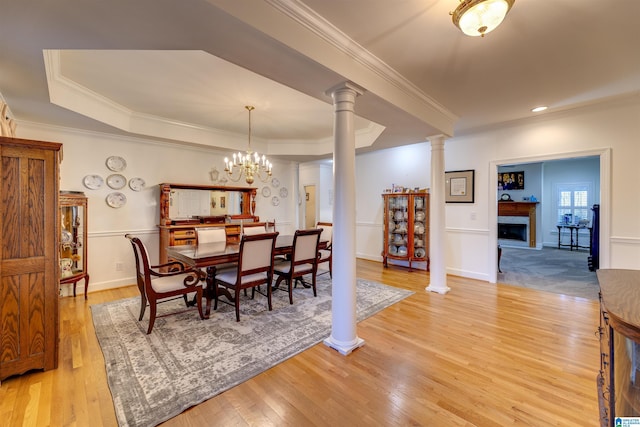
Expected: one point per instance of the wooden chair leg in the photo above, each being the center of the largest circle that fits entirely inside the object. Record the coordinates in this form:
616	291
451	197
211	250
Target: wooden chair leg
199	302
290	283
152	315
238	304
143	306
313	284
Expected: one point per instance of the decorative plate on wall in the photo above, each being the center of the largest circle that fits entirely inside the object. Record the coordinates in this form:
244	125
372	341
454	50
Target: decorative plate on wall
116	200
275	182
136	184
266	192
284	192
116	181
93	182
275	201
116	163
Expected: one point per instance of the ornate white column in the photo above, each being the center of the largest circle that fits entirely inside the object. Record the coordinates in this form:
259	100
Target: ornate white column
437	265
343	311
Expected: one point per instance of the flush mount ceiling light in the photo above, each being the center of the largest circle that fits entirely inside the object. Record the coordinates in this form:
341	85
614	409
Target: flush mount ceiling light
538	109
479	17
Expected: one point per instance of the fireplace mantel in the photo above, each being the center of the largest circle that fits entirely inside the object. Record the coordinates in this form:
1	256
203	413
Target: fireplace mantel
521	209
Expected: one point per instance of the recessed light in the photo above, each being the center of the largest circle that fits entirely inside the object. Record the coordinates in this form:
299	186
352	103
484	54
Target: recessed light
538	109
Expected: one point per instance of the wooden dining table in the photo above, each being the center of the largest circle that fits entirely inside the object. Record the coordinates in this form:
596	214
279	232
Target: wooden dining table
209	255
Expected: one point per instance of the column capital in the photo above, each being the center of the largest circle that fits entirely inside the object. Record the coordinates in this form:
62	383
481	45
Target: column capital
346	86
437	139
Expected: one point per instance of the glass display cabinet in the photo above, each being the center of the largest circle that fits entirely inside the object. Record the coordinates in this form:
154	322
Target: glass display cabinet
73	239
406	229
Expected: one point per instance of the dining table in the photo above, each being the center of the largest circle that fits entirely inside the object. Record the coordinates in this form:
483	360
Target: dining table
209	256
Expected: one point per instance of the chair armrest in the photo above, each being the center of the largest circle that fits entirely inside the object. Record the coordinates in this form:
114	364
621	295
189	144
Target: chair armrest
177	266
194	275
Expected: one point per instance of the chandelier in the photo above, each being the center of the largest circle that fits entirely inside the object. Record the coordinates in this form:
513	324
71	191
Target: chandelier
479	17
249	164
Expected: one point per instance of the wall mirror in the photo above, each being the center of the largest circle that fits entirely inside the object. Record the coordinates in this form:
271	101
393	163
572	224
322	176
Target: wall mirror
199	203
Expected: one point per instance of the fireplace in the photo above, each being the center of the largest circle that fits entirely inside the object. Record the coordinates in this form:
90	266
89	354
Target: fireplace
512	232
515	218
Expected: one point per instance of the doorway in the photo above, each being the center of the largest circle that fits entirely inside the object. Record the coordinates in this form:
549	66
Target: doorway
554	188
309	206
604	160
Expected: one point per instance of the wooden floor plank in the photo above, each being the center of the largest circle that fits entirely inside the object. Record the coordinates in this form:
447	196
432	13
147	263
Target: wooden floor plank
481	355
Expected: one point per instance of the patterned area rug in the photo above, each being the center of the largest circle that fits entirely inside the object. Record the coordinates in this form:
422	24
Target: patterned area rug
185	361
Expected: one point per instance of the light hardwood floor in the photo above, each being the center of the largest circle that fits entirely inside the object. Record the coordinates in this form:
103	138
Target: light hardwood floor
481	355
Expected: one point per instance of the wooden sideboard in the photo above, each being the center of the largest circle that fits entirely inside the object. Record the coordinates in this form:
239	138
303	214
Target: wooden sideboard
618	380
527	209
181	231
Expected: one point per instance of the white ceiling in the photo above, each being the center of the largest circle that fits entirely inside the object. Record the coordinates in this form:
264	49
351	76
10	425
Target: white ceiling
183	71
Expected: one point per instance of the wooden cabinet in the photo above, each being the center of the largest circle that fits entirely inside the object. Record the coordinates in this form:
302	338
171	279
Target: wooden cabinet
73	239
29	267
406	228
618	380
215	206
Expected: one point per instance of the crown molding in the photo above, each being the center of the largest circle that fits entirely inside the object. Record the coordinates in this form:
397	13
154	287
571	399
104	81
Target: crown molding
315	23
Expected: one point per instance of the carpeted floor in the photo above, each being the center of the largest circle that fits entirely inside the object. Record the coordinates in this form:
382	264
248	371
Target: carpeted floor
185	360
554	270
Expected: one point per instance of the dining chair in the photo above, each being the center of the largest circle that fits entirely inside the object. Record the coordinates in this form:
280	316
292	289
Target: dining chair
303	261
270	226
211	234
326	236
157	286
255	267
253	229
206	235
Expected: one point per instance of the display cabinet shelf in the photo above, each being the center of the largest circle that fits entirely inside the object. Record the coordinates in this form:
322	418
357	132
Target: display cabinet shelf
73	239
406	229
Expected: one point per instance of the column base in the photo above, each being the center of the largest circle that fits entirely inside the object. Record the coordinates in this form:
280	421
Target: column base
344	348
438	289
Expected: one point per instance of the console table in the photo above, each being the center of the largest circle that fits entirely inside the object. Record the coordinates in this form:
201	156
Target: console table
573	230
618	381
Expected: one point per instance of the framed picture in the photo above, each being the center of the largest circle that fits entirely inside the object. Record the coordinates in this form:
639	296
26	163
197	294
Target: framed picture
511	180
459	186
223	203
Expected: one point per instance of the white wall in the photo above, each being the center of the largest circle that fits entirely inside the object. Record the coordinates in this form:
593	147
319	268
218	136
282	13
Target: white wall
85	153
470	228
407	166
612	130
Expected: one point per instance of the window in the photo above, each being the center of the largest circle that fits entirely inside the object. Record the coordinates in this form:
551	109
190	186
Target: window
573	201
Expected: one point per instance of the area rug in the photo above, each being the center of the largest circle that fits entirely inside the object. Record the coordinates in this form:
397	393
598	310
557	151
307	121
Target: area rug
185	360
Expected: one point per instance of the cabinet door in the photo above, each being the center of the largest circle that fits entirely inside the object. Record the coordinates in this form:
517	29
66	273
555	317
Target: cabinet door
398	225
73	214
29	285
420	223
